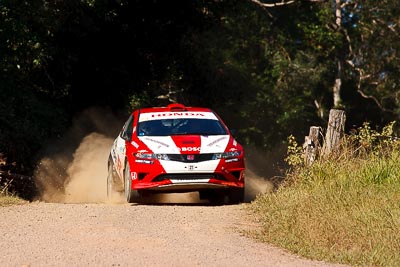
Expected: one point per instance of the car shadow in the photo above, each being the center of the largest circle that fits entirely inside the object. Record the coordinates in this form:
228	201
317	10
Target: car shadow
181	199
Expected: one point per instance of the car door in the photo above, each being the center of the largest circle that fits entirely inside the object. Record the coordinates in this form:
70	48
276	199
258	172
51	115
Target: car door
120	145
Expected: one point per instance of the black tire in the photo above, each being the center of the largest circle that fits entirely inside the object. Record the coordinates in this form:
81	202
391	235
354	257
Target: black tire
131	196
236	195
114	184
110	179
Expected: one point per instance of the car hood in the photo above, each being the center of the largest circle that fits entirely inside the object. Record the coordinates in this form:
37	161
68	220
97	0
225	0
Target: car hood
186	144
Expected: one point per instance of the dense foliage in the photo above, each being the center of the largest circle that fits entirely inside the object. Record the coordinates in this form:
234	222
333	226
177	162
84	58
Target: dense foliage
269	70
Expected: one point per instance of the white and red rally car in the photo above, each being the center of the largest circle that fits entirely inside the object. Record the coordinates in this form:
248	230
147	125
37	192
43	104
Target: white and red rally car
176	149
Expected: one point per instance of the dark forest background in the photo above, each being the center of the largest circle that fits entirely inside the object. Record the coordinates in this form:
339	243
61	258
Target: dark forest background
270	70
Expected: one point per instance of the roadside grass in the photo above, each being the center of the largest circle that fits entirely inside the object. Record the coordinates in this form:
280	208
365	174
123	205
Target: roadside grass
342	209
8	200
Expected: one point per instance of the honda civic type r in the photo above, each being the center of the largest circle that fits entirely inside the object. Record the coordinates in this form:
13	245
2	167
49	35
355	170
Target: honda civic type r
176	149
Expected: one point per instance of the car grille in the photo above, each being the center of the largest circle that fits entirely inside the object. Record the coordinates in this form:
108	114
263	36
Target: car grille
190	157
191	176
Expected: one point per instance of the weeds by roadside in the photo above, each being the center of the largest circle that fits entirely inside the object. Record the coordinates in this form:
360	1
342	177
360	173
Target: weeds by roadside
10	200
6	197
345	208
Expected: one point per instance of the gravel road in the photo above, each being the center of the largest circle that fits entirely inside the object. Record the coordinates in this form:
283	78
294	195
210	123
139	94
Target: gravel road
78	226
183	234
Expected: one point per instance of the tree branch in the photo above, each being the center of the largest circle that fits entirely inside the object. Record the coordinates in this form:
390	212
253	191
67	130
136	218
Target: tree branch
363	77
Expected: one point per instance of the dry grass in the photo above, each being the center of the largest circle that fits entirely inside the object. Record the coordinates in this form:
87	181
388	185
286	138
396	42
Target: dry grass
10	200
345	210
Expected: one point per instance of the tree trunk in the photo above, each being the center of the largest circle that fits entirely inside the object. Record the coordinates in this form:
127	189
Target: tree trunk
312	145
335	130
337	99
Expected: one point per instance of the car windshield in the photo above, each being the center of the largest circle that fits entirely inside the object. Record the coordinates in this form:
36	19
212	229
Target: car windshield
184	126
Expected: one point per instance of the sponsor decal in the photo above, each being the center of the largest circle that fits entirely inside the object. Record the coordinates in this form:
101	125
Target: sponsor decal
144	161
136	145
172	115
177	114
190	149
134	176
217	141
158	142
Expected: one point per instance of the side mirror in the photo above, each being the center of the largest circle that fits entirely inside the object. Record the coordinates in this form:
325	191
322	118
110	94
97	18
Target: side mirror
127	137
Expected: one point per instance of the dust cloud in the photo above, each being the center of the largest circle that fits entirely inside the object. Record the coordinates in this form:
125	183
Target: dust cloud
174	198
84	178
74	168
87	173
256	185
263	171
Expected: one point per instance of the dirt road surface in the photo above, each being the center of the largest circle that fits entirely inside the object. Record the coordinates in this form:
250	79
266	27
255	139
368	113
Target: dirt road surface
183	234
74	224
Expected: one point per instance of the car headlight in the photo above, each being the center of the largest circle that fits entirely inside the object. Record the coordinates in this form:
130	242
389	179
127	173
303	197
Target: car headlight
227	155
151	156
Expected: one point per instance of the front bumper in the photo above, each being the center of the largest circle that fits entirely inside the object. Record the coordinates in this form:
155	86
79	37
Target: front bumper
187	176
184	182
187	187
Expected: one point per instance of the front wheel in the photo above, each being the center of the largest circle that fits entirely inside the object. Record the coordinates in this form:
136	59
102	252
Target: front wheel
130	195
114	185
110	180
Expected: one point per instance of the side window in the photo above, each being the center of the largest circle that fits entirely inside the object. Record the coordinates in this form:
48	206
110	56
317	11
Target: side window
126	132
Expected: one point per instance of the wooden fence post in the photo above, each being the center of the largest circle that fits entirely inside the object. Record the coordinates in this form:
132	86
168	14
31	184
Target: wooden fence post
312	145
335	130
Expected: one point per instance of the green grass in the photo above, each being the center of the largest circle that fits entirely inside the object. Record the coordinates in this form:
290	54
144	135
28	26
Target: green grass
343	210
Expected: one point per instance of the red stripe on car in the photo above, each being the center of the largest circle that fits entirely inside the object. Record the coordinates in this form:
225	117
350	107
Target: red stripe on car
188	144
